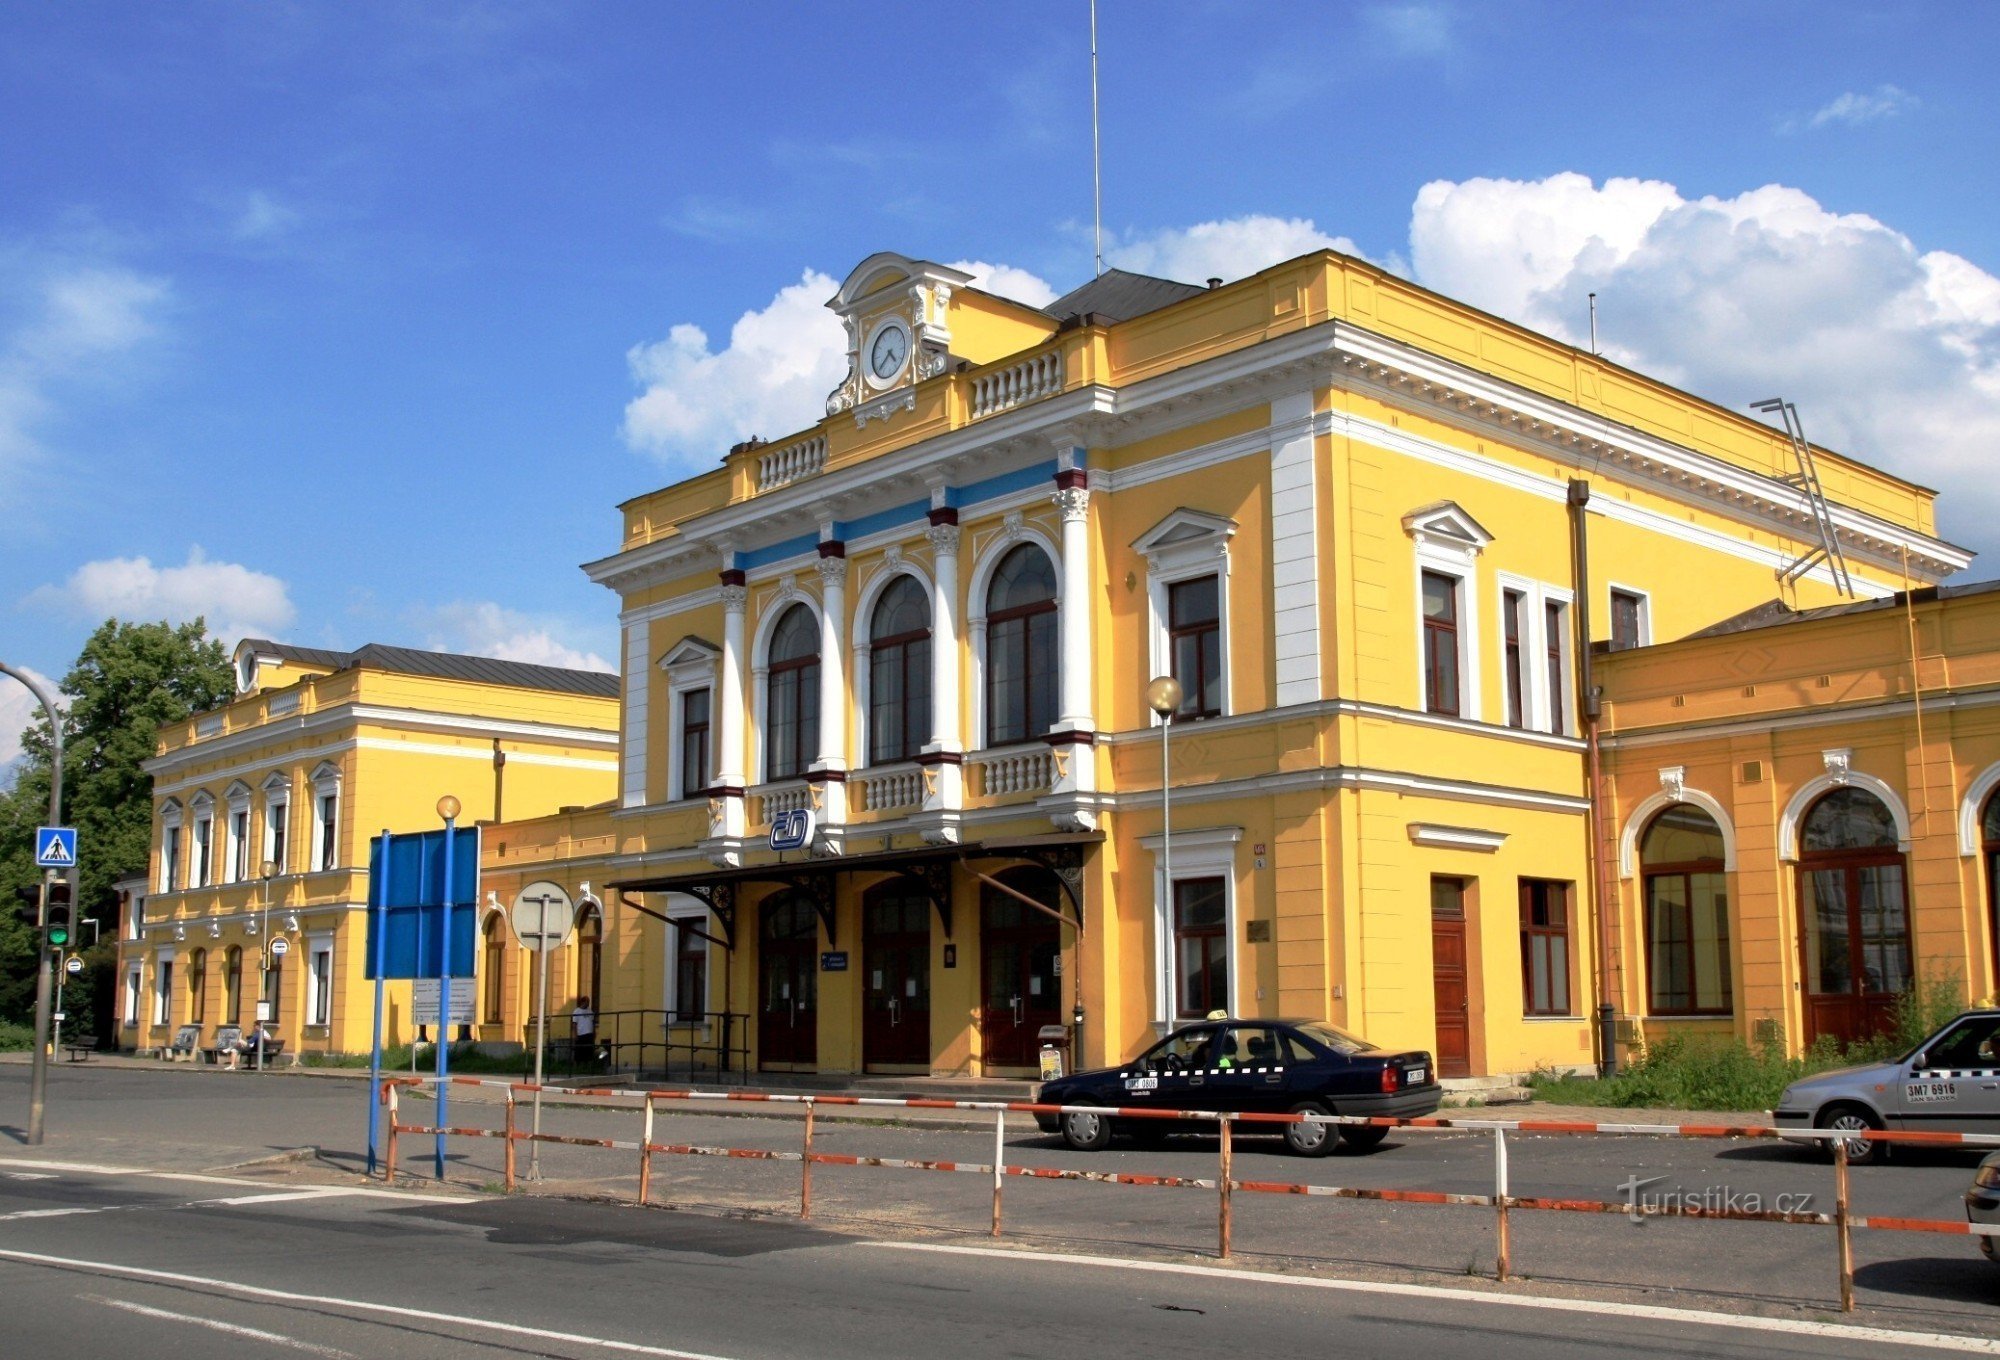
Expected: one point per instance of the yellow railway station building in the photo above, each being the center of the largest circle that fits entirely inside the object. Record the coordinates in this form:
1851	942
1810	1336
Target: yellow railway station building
1377	537
263	810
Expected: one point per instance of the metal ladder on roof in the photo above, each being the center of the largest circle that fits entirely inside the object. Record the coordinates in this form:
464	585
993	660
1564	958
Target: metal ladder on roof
1806	479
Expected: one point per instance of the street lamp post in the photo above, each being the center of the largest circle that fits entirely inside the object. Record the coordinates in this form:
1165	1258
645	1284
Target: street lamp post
267	870
1163	696
38	1080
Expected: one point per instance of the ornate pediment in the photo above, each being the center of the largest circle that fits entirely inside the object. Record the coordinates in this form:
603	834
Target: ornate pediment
1184	534
1445	525
896	313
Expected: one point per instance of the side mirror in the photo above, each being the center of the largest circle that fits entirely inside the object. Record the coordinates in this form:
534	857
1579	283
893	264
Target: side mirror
1921	1061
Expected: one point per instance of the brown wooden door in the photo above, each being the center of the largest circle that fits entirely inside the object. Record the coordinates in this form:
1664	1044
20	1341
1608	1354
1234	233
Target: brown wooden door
1450	987
788	984
1020	953
1854	942
896	964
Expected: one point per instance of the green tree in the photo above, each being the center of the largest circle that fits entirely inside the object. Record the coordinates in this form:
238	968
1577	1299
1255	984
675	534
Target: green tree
129	679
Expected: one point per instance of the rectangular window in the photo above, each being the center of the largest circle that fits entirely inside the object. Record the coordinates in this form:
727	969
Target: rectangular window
132	997
1512	603
1194	644
1628	620
274	988
163	992
204	866
277	820
694	772
170	860
690	973
1441	687
319	985
326	826
1545	946
1687	943
239	846
1447	898
1201	946
1555	630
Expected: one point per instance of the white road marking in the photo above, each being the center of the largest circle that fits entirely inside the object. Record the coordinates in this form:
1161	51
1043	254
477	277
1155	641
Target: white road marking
278	1197
30	1176
1972	1345
199	1178
52	1213
249	1291
216	1324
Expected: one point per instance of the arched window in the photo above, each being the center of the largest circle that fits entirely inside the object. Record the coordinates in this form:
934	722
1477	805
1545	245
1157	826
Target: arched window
494	966
1687	913
1989	844
590	958
197	974
899	672
791	695
232	986
1854	916
1021	657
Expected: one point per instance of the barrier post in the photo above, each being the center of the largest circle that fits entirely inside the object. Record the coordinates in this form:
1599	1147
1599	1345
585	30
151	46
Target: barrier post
510	1135
1840	1226
1222	1184
806	1167
646	1151
1500	1202
999	1159
389	1166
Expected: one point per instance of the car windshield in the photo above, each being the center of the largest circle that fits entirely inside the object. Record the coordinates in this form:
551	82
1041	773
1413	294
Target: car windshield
1339	1040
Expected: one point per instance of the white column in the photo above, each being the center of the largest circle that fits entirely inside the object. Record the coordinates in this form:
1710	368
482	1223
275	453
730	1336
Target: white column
829	772
944	774
726	805
1074	619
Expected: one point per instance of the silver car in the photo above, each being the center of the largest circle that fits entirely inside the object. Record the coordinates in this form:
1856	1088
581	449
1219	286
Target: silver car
1982	1201
1948	1083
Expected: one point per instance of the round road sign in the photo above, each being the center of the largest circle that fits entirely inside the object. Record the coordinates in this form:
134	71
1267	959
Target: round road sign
73	964
543	914
280	946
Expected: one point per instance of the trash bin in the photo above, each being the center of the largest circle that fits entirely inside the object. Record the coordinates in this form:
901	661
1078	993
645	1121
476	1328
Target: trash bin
1055	1051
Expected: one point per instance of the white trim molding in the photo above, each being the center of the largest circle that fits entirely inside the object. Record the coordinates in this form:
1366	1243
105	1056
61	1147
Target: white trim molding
1673	794
1970	840
1186	546
1839	774
1456	837
1204	852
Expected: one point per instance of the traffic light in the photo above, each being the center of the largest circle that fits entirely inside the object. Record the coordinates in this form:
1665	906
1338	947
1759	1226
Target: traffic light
28	906
55	917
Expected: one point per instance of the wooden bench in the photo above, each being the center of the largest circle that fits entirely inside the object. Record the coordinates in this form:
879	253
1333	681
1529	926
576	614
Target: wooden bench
79	1050
232	1043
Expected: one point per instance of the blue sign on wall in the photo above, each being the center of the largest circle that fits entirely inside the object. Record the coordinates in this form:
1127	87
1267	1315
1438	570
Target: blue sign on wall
406	898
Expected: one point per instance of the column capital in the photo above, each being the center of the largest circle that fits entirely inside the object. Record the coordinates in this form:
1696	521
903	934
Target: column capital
832	570
1073	502
735	597
944	539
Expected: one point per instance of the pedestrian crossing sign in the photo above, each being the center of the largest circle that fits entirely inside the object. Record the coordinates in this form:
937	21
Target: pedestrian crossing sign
55	847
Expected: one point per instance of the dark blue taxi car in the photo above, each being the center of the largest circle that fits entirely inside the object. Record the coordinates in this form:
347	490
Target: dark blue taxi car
1250	1066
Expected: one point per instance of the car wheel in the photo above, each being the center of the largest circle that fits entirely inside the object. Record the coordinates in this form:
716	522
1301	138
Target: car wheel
1311	1140
1363	1137
1853	1119
1087	1130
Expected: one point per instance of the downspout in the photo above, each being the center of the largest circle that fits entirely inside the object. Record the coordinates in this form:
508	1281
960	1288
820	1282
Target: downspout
499	781
1600	897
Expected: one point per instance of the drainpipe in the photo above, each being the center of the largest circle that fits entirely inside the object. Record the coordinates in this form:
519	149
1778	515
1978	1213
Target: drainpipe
499	780
1601	899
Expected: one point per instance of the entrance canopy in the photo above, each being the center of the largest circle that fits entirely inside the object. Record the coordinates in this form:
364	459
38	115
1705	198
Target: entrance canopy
929	866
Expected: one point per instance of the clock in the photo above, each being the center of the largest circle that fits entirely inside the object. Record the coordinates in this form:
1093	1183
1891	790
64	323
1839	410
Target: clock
888	351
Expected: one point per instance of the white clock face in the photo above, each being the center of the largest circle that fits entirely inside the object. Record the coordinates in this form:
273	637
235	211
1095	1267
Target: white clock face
887	351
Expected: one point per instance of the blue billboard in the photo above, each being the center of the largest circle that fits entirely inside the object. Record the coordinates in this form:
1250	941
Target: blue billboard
406	898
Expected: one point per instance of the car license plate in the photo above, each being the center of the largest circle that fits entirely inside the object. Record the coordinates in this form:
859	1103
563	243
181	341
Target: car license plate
1142	1084
1920	1091
1414	1076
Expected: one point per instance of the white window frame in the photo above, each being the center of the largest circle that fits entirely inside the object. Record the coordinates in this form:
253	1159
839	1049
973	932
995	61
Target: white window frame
236	866
978	584
760	674
861	651
691	664
681	907
277	809
134	994
163	996
1557	712
171	815
1186	546
1448	541
1645	599
325	783
1203	853
201	846
319	997
1541	711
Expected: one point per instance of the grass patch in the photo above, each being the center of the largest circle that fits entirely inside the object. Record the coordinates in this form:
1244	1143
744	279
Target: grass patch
1705	1073
16	1038
464	1058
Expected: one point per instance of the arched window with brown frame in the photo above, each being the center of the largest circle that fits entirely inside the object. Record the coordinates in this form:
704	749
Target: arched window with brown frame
899	672
791	695
1022	667
1854	915
1688	963
493	967
232	986
197	975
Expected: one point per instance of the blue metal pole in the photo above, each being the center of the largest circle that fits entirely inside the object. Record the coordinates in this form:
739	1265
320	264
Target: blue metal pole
378	919
444	994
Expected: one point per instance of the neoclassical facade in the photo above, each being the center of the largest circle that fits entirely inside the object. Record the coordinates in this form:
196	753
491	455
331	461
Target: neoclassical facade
1371	532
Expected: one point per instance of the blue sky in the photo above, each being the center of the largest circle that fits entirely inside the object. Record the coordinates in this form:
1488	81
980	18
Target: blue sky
354	322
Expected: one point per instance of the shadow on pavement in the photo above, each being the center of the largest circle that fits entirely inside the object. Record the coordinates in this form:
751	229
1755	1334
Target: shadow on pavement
1957	1278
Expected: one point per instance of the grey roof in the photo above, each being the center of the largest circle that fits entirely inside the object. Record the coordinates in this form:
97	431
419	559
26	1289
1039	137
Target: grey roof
1775	613
1118	295
448	666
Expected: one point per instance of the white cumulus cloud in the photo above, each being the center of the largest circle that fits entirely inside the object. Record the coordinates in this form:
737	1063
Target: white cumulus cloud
1856	107
1229	249
1891	352
236	601
484	628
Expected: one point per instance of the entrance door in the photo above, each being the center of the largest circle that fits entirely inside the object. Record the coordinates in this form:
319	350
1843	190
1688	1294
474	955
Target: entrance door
1020	952
896	957
788	984
1450	990
1855	936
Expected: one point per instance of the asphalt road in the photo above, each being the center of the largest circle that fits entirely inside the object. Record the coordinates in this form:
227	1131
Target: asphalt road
188	1121
94	1265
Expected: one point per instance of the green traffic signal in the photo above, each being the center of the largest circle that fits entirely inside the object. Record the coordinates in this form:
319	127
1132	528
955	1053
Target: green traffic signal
55	914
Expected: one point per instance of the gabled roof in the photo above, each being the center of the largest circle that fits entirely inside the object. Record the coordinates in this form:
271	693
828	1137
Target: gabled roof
1775	613
285	651
445	665
1119	295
